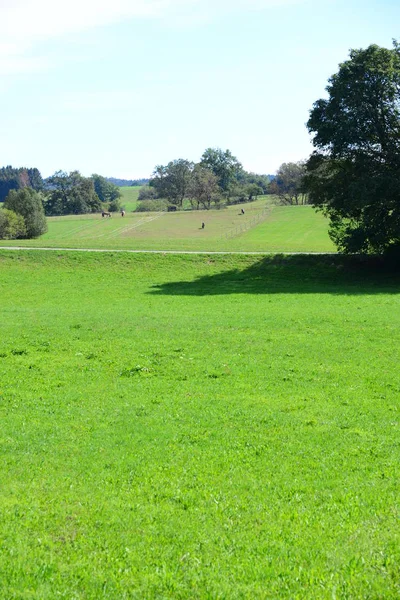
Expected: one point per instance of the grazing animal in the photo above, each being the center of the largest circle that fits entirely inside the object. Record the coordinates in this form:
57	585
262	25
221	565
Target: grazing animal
105	214
122	213
203	225
242	211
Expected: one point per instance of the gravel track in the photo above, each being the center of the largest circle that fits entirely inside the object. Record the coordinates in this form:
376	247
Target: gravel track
241	252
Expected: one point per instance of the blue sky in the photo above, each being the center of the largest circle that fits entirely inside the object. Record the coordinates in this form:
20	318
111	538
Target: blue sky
117	86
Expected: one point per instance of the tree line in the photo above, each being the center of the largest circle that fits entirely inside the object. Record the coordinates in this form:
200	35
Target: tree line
217	179
61	190
14	179
128	182
27	199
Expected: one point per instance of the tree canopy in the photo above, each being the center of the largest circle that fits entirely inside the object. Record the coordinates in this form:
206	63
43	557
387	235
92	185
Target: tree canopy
224	165
288	183
71	193
203	188
106	191
172	181
354	173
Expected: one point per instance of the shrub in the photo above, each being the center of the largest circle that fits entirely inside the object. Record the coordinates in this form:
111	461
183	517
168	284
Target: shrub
29	204
147	193
151	205
12	225
115	205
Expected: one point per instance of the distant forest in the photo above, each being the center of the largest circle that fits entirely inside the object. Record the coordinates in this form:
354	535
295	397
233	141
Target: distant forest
127	182
106	188
14	179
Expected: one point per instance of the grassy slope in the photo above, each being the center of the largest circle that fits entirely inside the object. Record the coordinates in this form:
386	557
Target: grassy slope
176	427
291	229
129	197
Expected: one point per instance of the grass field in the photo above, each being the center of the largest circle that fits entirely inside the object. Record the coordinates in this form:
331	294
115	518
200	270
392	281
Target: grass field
198	427
129	197
262	228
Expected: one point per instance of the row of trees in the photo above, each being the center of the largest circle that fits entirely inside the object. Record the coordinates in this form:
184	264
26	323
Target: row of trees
71	193
63	193
219	176
27	199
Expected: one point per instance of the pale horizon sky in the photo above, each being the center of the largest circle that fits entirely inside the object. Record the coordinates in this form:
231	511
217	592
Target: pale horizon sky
118	87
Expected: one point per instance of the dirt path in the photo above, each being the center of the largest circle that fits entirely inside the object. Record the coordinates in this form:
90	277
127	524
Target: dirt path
242	252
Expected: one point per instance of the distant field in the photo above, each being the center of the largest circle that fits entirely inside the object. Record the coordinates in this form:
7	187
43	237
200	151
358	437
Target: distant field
129	197
217	427
262	228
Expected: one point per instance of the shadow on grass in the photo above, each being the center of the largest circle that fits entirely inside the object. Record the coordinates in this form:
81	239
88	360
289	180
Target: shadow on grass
281	274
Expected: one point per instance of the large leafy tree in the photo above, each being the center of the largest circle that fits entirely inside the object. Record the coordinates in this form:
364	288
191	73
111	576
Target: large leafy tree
354	173
106	191
29	204
203	188
288	183
172	180
224	165
71	193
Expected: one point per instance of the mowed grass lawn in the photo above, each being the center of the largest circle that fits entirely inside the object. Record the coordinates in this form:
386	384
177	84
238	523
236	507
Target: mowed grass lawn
198	427
290	229
262	228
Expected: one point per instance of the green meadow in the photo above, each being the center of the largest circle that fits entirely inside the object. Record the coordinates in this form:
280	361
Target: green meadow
199	426
263	228
129	196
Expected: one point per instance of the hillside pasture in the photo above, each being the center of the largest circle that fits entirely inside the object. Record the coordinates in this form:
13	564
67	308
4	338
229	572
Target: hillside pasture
198	427
263	227
129	197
